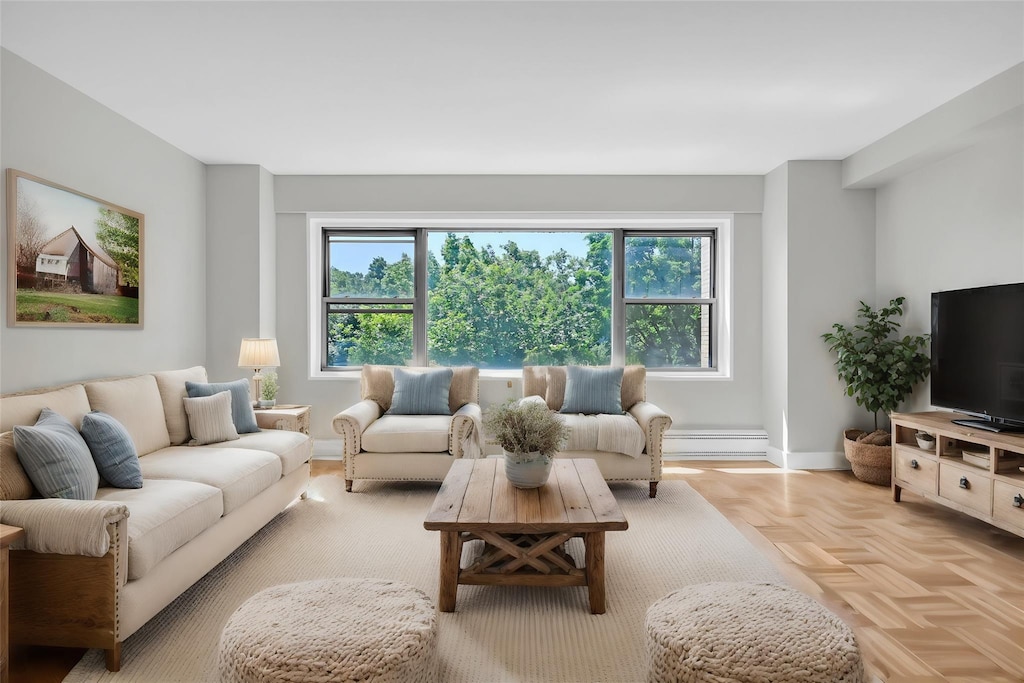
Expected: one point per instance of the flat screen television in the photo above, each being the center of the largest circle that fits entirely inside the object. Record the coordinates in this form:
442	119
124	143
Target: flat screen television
977	364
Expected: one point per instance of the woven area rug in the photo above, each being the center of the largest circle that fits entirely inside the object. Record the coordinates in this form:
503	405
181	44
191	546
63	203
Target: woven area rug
497	633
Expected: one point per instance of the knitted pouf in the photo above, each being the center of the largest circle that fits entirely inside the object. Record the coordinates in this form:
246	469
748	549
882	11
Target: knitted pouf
332	630
748	633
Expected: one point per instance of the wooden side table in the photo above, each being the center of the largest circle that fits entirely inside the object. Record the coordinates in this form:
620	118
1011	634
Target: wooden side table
293	418
8	534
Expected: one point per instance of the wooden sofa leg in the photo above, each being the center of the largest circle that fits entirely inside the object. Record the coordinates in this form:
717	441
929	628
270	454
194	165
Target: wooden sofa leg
348	485
114	658
654	489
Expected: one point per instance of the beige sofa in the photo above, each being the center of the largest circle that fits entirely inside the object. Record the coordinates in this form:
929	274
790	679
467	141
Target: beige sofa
91	573
587	440
407	447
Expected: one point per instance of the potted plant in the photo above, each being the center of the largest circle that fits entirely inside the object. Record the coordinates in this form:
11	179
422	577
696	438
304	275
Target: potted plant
530	434
268	390
880	369
925	441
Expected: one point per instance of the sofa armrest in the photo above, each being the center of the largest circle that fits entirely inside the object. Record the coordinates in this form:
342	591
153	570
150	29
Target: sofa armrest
66	527
655	422
466	430
353	421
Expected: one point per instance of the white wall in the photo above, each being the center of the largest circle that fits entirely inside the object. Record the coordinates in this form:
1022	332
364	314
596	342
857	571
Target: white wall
775	305
956	223
818	263
734	403
831	267
233	267
241	263
55	132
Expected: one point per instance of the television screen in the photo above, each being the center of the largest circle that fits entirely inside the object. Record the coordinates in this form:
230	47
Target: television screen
977	363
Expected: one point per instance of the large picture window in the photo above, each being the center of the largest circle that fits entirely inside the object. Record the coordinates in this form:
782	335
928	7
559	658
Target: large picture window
501	299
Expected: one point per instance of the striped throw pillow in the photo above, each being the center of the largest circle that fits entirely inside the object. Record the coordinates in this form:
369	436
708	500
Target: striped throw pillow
592	391
242	415
113	450
421	392
209	419
56	458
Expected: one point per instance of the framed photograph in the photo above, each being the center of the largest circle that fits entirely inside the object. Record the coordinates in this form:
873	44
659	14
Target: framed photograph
72	260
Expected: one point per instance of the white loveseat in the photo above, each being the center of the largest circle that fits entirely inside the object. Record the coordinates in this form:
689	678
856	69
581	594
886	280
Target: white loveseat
91	573
587	437
386	447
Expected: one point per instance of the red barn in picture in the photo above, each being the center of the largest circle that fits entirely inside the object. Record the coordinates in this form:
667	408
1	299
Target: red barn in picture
67	259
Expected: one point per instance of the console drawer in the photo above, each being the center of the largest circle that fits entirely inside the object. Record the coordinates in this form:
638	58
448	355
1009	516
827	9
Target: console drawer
977	495
1004	503
915	470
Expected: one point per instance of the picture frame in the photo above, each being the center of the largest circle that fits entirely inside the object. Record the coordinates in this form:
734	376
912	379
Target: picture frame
73	260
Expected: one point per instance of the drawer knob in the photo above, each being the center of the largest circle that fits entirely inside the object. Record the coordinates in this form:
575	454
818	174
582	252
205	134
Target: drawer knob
914	465
1018	501
964	484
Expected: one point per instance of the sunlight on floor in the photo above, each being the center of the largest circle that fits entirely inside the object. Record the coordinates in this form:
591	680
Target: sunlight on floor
676	468
759	470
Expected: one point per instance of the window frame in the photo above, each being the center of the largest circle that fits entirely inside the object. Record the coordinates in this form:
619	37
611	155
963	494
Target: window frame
627	301
418	308
619	224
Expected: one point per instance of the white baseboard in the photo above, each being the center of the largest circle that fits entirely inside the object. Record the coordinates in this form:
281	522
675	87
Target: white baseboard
328	449
825	460
715	444
694	444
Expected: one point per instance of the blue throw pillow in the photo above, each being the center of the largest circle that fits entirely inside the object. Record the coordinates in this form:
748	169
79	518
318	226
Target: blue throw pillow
112	450
592	390
421	393
242	414
56	458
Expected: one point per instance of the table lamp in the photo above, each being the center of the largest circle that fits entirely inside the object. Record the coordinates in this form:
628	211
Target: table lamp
258	354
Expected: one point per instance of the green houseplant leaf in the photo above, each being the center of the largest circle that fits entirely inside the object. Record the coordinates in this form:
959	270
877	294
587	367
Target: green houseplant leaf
878	367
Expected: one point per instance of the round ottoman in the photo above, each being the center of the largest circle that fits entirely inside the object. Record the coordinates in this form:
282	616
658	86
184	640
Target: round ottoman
748	633
332	630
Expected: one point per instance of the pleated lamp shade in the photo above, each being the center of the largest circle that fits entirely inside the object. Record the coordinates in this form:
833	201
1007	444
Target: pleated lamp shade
259	353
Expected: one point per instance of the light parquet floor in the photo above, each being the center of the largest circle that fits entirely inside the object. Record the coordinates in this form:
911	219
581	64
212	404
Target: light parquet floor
932	595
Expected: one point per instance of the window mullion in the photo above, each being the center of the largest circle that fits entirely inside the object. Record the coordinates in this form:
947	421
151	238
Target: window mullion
618	296
419	307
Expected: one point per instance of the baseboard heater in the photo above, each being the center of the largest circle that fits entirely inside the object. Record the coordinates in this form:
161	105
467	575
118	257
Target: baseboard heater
716	444
679	444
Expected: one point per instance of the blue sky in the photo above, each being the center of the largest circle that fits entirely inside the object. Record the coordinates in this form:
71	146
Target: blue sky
59	210
353	257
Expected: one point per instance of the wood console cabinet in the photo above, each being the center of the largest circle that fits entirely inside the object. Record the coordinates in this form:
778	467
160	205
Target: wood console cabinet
969	469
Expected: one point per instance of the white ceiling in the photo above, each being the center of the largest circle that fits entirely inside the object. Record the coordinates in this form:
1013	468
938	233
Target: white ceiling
518	87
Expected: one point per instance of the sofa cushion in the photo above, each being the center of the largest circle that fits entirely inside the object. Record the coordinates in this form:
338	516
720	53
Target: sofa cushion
241	402
592	390
172	389
408	434
14	482
23	409
421	393
209	419
163	516
377	383
554	392
292	448
56	458
239	473
135	403
112	450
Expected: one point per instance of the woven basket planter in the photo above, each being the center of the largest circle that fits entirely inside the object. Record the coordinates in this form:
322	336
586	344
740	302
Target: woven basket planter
870	463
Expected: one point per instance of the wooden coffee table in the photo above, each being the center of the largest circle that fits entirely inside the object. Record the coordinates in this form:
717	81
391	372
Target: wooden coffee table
524	529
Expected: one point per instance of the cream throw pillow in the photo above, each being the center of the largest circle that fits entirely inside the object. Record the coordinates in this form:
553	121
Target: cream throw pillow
209	419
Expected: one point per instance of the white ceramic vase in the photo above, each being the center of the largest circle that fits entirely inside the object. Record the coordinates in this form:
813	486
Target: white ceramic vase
527	470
